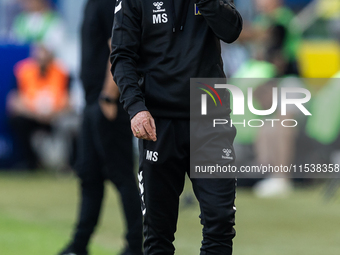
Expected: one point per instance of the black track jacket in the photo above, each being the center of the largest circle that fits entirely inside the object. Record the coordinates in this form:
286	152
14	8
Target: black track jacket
158	45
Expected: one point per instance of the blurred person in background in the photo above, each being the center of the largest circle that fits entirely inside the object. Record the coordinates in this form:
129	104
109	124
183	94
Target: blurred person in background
38	23
272	32
273	45
267	145
105	148
41	96
276	145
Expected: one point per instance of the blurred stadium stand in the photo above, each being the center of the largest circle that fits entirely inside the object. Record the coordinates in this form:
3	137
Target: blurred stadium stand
11	52
318	55
297	4
10	55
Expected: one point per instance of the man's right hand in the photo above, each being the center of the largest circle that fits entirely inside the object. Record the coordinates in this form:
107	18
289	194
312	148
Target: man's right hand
143	126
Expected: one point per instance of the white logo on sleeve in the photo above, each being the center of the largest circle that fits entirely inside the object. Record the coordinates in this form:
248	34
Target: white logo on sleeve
118	7
152	155
159	15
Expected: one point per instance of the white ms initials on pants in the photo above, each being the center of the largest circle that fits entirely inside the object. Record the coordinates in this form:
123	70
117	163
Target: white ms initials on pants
152	155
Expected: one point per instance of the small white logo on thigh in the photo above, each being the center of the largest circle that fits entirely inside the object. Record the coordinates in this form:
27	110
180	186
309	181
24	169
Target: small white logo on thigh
227	153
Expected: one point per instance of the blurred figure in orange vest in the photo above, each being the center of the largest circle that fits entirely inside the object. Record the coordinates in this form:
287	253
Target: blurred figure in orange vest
41	96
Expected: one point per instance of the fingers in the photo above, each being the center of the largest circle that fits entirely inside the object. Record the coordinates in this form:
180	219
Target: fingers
142	133
148	128
136	131
153	125
143	126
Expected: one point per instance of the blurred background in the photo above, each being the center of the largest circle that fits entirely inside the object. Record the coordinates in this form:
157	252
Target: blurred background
297	41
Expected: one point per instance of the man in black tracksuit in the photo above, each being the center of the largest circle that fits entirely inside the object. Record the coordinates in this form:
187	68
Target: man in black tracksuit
105	143
156	48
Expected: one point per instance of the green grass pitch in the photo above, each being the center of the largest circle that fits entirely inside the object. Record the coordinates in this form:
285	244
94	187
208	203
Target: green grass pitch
37	213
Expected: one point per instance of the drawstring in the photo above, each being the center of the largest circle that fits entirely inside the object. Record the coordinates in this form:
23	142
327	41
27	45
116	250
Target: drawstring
184	14
173	16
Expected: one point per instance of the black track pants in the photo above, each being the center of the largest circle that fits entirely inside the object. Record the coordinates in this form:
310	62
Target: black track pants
105	152
163	165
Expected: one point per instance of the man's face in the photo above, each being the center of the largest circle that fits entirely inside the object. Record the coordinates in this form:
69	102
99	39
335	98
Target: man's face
42	55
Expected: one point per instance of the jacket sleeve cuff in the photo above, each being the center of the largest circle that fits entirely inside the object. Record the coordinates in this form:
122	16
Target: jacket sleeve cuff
135	108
